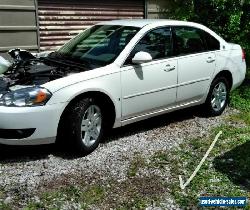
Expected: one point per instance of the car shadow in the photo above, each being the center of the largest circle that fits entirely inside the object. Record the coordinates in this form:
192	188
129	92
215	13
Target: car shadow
27	153
235	164
154	122
9	154
246	82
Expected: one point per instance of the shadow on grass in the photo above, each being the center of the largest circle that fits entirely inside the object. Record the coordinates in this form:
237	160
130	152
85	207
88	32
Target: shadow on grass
27	153
235	164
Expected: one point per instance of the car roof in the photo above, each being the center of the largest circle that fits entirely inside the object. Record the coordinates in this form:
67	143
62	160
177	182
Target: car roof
143	22
151	23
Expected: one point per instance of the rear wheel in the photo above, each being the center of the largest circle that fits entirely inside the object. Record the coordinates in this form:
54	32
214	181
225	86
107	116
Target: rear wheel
218	96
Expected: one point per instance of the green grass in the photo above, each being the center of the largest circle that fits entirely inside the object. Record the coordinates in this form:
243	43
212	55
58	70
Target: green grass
4	206
133	193
226	172
242	117
240	98
55	199
137	163
138	202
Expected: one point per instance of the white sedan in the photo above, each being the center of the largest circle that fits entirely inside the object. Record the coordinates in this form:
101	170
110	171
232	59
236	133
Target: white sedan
112	74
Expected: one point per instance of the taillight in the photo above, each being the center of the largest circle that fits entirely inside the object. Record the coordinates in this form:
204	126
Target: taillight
243	55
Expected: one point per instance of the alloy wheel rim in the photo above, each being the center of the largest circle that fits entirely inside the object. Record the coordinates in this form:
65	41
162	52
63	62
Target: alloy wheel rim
219	96
91	125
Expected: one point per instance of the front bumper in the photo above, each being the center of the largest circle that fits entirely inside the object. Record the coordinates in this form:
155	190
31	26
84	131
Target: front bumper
42	119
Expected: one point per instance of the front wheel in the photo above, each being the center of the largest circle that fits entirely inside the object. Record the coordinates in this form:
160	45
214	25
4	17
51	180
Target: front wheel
85	125
218	96
91	125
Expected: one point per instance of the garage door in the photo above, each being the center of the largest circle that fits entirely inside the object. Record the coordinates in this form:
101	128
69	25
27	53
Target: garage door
18	25
60	20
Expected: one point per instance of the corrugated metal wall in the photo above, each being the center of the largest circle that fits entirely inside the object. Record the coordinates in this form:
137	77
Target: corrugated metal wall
18	25
60	20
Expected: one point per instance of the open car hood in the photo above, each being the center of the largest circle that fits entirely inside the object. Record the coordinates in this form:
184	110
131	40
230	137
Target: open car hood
30	70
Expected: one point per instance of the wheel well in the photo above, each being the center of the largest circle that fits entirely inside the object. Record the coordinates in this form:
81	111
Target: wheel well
104	99
228	75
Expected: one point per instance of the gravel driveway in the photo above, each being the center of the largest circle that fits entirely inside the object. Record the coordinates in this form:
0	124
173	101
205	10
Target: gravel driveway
23	170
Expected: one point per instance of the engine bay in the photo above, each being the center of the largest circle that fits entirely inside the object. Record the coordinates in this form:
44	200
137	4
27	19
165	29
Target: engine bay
29	70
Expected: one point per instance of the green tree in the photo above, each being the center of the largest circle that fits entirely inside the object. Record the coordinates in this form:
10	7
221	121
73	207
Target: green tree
229	18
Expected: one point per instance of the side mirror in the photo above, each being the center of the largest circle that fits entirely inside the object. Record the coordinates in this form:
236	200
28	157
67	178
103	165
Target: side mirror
141	57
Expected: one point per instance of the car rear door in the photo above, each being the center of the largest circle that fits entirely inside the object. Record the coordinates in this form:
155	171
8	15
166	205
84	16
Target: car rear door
150	86
196	64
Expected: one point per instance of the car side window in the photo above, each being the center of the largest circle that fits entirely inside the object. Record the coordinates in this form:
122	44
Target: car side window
157	42
188	40
212	43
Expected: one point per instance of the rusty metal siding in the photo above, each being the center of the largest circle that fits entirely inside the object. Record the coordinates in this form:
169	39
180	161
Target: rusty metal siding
18	25
60	20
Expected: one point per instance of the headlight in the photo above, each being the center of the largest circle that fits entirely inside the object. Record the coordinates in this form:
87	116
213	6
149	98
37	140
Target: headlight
31	96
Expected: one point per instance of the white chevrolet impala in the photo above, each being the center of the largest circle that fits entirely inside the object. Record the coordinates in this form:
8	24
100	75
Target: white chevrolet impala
112	74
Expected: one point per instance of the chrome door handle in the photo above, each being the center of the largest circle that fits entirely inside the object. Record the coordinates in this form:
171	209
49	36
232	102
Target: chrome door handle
210	60
169	68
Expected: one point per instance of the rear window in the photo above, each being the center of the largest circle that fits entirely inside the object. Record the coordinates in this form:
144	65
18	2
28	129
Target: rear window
188	40
212	43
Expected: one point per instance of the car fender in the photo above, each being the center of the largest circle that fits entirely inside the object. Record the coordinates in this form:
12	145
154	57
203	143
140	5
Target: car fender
108	85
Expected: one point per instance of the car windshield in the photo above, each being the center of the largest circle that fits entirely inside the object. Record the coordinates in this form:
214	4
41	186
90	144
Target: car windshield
97	46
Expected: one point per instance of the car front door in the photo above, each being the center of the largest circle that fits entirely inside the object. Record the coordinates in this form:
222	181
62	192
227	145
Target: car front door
150	86
196	64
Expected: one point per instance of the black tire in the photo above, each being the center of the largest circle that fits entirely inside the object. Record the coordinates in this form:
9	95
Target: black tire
212	111
72	123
